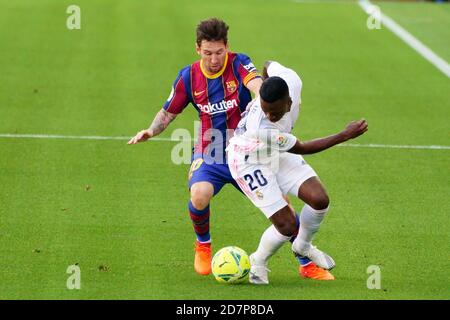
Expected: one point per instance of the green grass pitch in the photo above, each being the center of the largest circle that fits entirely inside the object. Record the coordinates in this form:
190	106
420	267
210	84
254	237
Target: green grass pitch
120	212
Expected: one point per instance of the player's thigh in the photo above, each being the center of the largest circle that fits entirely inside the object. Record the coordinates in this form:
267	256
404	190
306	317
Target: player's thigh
260	185
292	173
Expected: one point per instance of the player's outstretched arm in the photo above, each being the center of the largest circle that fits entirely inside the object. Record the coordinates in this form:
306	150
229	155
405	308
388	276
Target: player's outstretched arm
159	124
254	85
354	129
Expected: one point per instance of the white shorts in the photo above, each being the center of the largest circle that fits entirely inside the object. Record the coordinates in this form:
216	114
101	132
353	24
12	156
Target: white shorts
266	187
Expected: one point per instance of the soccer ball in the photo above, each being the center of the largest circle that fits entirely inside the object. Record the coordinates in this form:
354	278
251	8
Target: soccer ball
230	265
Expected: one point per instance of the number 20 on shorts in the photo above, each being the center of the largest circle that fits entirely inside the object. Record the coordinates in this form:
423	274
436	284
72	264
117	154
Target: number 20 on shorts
255	180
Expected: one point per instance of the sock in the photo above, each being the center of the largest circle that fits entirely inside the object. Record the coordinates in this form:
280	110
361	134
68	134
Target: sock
303	261
270	242
200	221
310	220
297	220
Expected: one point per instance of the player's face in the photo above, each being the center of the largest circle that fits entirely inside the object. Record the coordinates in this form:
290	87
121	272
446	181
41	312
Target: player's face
276	110
213	55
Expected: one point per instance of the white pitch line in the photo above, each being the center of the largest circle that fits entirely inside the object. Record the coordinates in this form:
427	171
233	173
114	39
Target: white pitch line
56	136
393	146
407	37
71	137
325	1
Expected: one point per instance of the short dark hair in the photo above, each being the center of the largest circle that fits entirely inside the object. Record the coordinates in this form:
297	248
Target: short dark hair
212	29
273	89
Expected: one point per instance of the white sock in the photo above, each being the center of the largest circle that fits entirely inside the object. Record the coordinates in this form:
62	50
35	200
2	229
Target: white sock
310	220
270	242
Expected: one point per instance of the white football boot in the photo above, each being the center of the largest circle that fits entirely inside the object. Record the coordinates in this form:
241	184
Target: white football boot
259	273
320	258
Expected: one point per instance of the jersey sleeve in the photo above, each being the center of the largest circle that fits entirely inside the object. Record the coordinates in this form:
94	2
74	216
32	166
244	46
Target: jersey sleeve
246	69
178	98
277	140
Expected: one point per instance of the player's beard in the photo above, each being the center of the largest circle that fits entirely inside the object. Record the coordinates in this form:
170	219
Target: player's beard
214	69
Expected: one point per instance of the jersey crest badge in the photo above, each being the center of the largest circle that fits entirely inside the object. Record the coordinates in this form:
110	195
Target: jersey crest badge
231	86
260	195
281	140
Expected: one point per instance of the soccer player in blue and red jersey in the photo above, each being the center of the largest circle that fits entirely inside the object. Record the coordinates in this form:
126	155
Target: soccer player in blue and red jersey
219	87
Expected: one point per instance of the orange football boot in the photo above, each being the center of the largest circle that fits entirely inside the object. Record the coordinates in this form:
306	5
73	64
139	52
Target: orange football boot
202	262
312	271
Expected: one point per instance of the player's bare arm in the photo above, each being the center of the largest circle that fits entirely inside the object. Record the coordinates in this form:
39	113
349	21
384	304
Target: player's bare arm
254	85
354	129
159	124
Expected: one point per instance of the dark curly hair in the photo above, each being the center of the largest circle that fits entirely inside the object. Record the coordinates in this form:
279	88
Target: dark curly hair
212	29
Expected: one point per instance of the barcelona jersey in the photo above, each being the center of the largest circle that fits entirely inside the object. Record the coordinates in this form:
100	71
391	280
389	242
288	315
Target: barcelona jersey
219	98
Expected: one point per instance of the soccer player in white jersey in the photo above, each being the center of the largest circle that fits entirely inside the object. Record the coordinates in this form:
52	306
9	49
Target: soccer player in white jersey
265	160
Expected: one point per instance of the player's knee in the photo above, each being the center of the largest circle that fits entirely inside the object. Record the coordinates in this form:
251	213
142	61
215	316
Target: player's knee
201	194
199	202
320	201
199	199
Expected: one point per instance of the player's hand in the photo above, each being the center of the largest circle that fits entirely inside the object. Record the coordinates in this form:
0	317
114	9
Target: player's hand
249	105
141	136
355	129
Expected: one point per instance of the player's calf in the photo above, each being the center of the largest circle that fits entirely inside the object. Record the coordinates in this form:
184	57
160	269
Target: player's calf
285	221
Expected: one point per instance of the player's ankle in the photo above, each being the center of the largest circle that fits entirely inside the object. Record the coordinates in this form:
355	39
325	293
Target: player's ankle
255	259
300	247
